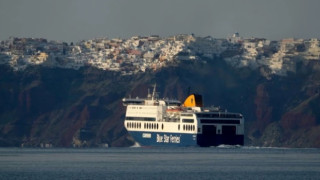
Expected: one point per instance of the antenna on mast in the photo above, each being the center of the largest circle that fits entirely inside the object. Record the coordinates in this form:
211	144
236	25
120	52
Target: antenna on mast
154	91
149	95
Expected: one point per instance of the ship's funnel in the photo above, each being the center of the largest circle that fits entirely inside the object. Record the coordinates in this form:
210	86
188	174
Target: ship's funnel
193	100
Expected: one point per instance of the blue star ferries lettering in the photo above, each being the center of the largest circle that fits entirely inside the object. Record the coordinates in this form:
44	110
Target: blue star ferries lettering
168	138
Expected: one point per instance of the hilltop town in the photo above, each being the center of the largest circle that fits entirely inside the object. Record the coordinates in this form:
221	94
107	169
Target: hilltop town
139	54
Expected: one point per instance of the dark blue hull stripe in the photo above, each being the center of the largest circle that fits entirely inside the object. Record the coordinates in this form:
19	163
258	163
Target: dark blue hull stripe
180	139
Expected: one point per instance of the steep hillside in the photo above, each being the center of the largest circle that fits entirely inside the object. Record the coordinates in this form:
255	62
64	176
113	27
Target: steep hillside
64	107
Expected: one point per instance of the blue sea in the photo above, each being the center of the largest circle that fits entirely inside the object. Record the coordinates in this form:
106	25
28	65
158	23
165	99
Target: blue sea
224	162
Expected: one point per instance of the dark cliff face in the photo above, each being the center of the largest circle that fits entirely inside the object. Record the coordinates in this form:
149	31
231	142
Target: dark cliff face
83	107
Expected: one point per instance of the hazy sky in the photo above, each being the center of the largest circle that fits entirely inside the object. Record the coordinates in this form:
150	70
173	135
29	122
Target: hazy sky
74	20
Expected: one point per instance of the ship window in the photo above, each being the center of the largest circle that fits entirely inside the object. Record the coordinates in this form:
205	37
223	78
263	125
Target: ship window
221	115
220	121
179	127
157	126
140	119
188	120
162	126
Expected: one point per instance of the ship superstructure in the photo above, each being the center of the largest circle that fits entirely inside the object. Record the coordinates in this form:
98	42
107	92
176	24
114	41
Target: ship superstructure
156	122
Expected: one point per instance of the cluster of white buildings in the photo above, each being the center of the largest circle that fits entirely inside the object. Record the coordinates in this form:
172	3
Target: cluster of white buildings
138	54
279	56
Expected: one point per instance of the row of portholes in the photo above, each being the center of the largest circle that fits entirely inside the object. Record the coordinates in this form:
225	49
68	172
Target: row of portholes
134	125
151	126
189	127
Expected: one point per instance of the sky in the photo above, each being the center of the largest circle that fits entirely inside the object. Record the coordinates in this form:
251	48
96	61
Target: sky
75	20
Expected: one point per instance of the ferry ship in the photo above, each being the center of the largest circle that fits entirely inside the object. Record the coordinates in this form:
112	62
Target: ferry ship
162	122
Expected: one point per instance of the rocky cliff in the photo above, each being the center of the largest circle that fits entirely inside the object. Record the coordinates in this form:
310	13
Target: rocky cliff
43	106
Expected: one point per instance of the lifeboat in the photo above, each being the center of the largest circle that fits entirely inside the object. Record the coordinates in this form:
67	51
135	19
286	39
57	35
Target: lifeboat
174	110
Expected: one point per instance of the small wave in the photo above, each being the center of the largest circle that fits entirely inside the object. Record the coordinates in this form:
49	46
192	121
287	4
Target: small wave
265	147
225	146
136	145
252	147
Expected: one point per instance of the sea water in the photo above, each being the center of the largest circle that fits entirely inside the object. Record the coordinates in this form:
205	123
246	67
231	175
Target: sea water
224	162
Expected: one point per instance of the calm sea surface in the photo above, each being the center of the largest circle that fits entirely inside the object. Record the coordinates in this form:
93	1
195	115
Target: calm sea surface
160	163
